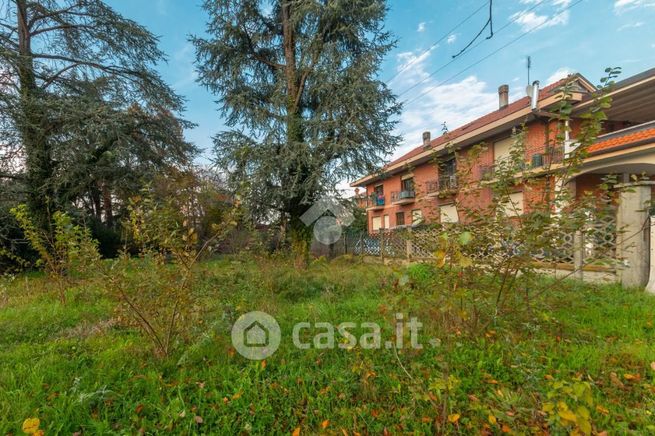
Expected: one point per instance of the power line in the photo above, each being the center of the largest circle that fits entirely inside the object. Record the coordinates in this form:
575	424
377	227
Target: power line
512	21
413	61
492	53
489	23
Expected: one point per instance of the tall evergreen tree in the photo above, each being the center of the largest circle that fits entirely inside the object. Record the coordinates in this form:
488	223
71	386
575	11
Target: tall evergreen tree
297	82
69	72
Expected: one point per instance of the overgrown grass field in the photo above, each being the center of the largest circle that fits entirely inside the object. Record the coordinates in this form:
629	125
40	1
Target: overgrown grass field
574	359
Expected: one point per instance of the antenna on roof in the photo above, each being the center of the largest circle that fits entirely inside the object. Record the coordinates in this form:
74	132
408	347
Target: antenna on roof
529	62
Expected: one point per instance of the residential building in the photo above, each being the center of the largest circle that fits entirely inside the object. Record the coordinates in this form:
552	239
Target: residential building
422	185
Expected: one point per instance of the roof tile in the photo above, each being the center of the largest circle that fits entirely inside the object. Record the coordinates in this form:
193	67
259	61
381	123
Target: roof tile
641	135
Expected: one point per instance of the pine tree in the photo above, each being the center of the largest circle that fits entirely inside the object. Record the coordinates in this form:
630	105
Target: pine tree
297	83
70	70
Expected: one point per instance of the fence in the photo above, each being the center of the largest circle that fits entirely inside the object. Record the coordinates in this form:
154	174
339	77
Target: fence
592	247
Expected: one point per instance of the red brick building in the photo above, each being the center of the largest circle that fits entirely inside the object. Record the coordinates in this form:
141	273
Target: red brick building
423	186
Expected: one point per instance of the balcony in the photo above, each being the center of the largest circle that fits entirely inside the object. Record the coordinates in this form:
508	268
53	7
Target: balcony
403	197
445	184
537	161
375	202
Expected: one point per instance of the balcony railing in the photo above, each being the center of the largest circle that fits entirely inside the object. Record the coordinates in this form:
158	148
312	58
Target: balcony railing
447	183
442	184
406	196
375	201
537	160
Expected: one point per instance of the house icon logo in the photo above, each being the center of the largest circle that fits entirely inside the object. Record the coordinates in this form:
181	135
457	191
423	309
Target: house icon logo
328	228
256	335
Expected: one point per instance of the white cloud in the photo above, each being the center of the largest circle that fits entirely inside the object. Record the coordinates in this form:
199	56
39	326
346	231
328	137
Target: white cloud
411	66
421	27
559	74
454	103
631	25
624	5
529	19
451	38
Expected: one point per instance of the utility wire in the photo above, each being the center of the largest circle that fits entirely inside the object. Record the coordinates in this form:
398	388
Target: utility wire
479	61
413	61
475	46
489	23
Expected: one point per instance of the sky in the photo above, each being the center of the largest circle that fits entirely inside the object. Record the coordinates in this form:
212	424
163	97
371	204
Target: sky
561	36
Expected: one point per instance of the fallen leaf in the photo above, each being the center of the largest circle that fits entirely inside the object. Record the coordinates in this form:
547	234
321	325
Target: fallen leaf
263	364
453	418
237	395
138	409
325	423
198	419
601	409
506	429
631	376
296	432
567	415
492	420
615	380
31	425
652	366
426	419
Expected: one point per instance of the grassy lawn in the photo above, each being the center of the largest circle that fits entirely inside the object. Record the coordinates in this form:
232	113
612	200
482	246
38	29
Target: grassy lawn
581	359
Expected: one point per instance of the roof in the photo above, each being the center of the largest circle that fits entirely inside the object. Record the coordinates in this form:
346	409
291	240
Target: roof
482	121
487	119
629	136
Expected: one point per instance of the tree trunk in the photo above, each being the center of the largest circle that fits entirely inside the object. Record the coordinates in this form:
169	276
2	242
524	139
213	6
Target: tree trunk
39	162
299	232
107	204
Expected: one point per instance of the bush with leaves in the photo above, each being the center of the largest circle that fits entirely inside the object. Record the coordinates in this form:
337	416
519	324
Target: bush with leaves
67	253
155	292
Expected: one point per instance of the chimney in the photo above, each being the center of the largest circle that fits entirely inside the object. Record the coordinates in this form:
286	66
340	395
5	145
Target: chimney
534	95
426	139
503	96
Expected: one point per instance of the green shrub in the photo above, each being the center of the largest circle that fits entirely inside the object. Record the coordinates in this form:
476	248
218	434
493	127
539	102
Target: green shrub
68	252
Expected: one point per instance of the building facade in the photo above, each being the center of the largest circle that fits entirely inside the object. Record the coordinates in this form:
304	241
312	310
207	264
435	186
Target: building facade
422	186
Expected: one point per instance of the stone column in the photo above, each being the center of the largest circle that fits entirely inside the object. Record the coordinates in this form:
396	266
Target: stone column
650	287
633	239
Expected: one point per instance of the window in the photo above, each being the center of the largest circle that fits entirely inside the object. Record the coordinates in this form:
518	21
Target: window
407	184
448	175
417	216
386	221
378	195
448	167
514	204
502	149
448	213
376	223
400	218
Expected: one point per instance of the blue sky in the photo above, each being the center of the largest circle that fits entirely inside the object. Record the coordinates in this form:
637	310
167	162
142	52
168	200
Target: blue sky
564	36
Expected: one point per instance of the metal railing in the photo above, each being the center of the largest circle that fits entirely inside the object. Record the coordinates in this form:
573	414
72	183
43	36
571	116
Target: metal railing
403	195
375	200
